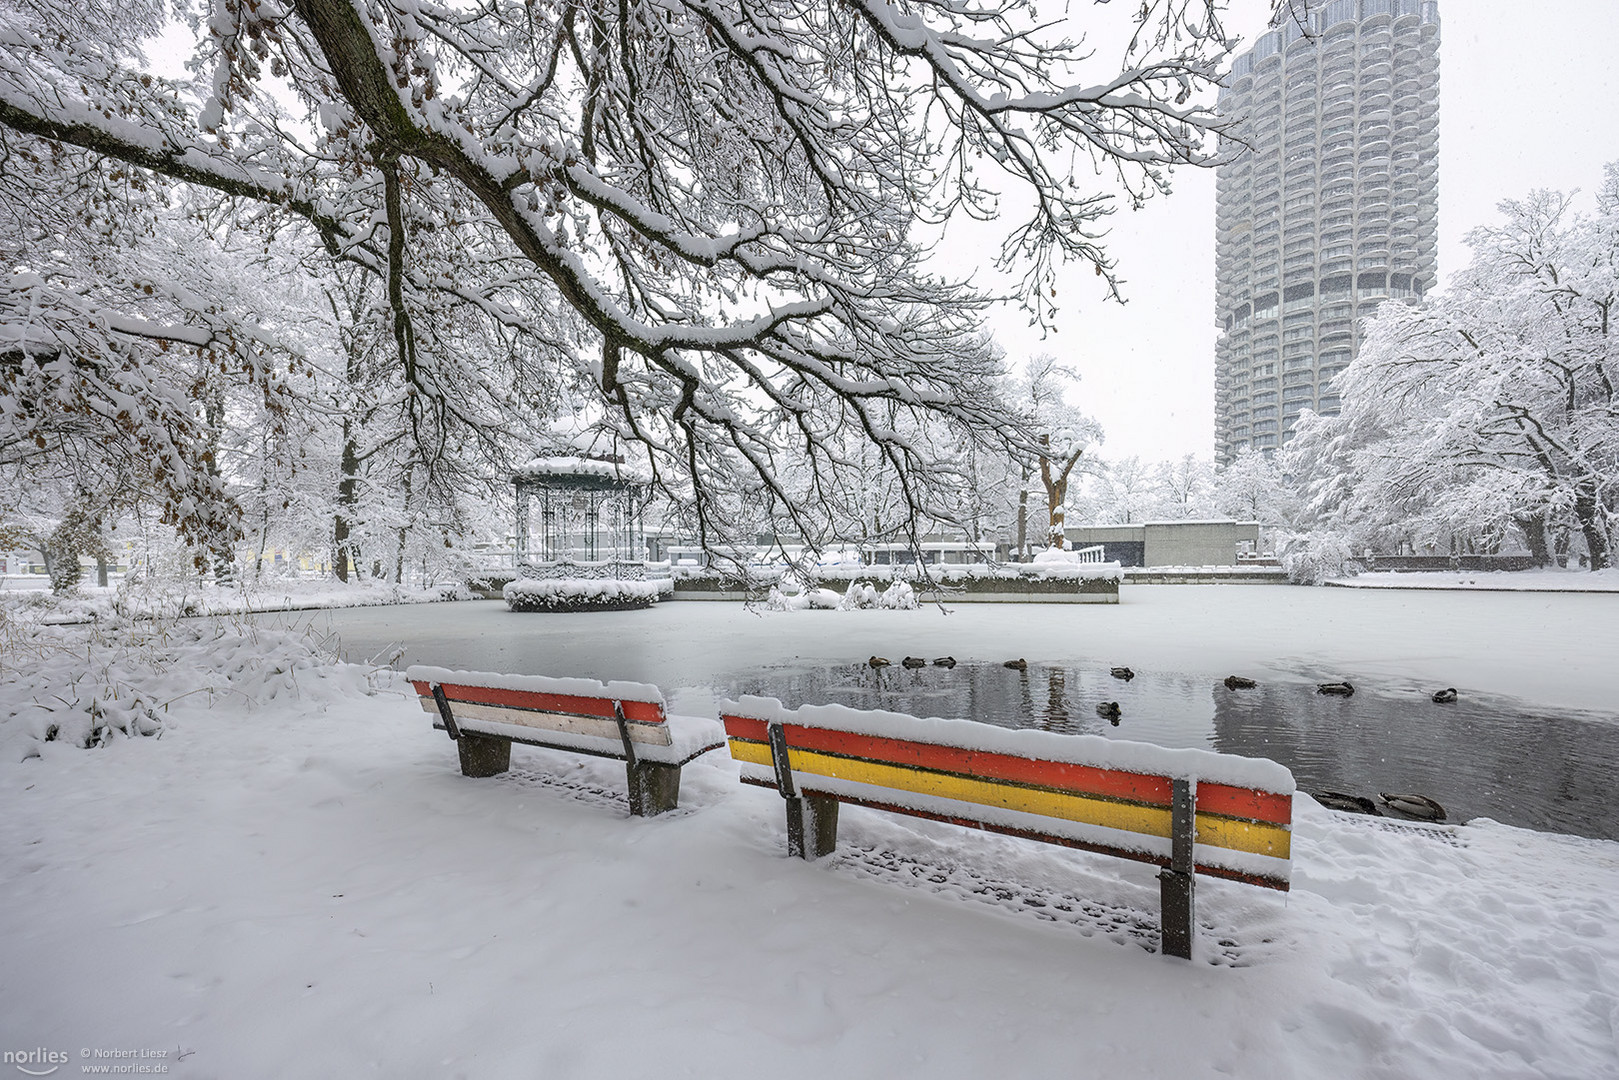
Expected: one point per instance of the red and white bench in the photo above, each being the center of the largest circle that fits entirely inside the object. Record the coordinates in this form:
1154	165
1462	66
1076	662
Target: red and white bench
485	713
1184	810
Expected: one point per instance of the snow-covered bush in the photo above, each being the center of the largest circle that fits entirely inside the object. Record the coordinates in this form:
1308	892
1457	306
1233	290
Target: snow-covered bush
860	594
863	594
579	594
898	596
91	685
805	600
1314	557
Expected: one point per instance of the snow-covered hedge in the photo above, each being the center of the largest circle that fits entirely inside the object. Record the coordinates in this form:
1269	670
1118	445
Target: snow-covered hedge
579	594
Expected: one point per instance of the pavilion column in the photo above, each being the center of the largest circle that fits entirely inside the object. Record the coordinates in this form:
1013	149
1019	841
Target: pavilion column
522	522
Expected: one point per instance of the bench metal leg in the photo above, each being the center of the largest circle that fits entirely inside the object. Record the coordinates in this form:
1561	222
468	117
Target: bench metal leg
483	755
1175	885
812	826
654	787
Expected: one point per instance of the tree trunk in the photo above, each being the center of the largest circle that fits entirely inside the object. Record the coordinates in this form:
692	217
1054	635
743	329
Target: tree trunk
1534	535
348	493
1023	520
399	552
221	552
1589	512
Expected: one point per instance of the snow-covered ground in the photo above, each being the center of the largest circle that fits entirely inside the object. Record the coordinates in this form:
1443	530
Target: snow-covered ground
1489	580
294	880
29	597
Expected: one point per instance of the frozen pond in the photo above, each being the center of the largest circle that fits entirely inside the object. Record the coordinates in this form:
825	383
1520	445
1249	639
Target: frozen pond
1533	739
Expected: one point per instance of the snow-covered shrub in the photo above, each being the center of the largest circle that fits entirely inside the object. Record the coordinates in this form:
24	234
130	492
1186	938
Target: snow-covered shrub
808	599
91	685
863	594
579	594
898	596
1314	557
860	594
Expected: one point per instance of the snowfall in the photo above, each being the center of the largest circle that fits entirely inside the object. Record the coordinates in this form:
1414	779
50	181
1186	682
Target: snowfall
288	876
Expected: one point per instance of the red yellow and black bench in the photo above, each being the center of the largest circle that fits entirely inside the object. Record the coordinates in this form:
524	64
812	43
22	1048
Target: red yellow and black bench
1188	811
485	712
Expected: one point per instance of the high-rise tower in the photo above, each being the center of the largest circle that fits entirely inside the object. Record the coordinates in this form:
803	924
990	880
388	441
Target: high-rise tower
1331	208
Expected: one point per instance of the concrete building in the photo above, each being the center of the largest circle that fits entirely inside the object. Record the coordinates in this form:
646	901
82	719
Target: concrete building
1329	208
1171	543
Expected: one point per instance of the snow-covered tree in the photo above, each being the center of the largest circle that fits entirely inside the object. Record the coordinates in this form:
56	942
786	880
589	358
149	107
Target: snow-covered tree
1125	491
1254	488
1185	487
697	217
1493	406
1062	434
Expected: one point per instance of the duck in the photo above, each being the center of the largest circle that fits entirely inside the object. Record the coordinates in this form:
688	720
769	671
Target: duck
1109	710
1237	682
1445	696
944	661
1337	689
1417	806
914	662
1019	664
1122	673
1349	804
877	662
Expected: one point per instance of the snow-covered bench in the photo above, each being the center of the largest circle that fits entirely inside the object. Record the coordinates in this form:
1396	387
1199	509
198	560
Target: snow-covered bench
1184	810
486	712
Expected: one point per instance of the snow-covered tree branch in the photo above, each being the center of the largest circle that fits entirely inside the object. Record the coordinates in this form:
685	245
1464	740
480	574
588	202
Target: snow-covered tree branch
697	218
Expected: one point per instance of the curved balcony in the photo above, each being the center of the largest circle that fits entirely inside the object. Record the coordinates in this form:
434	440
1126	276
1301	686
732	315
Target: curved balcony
1375	84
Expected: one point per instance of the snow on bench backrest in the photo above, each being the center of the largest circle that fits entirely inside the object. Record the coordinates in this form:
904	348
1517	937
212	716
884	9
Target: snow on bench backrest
578	706
1082	790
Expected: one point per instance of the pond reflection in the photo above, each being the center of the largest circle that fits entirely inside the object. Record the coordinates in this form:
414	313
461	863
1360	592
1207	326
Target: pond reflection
1536	769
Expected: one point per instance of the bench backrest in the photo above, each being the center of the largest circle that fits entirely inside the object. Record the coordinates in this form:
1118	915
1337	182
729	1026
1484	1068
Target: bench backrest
576	706
1085	792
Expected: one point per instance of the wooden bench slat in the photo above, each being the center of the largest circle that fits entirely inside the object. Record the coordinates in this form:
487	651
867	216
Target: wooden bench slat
642	712
650	734
1145	820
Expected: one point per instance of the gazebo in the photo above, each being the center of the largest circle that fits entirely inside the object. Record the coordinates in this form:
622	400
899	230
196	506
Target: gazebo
581	542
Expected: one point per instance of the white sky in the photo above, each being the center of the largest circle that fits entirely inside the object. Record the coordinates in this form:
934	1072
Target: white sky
1527	95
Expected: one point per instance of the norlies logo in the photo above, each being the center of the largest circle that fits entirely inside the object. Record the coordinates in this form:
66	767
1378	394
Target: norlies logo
36	1062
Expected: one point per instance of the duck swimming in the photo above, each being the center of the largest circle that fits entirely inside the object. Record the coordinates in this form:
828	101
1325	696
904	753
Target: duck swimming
914	662
1237	682
944	661
1122	673
877	661
1019	664
1337	689
1417	806
1109	710
1445	696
